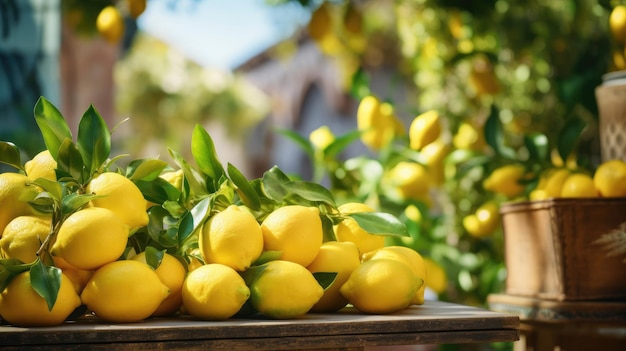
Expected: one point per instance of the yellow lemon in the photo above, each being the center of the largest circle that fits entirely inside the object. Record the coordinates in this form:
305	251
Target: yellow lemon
469	137
411	180
12	187
23	236
214	292
321	137
175	178
120	195
483	77
484	221
43	165
136	7
617	24
555	178
79	277
424	129
338	257
437	277
232	237
349	230
434	155
294	230
110	24
579	185
124	291
408	256
610	178
90	238
22	306
505	180
377	122
284	290
381	286
172	274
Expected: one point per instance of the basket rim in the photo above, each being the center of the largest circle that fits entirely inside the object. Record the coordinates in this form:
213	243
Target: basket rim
516	206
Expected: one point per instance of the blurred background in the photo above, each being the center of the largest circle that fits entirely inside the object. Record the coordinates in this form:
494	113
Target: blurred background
246	70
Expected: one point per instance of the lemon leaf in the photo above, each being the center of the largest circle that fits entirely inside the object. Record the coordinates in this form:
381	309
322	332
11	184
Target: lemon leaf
538	147
340	143
310	191
10	155
46	281
267	256
569	136
70	162
9	268
253	273
327	227
245	191
74	201
203	151
145	169
380	223
303	142
94	140
494	135
154	257
325	279
158	190
360	86
197	185
273	183
53	127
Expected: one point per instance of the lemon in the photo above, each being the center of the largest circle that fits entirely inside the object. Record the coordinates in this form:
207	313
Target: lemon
43	165
434	155
483	78
411	180
408	256
22	306
505	180
349	230
110	24
172	274
284	290
214	292
120	195
136	7
469	137
78	277
294	230
124	291
12	186
617	23
377	122
437	277
23	236
610	178
175	178
321	137
424	129
338	257
554	181
90	238
381	286
320	24
231	237
484	221
579	185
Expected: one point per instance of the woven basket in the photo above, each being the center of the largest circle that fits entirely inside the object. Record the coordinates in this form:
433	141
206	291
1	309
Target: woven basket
550	251
611	99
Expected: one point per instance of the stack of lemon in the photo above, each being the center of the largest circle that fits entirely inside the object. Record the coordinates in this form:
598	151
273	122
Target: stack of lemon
91	249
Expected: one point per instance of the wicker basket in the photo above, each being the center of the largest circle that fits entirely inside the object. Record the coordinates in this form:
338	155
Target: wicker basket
611	99
550	251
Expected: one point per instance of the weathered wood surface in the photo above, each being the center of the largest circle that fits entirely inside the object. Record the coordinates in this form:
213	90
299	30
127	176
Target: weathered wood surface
432	323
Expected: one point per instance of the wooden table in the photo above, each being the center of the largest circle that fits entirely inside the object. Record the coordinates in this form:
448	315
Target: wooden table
547	325
434	322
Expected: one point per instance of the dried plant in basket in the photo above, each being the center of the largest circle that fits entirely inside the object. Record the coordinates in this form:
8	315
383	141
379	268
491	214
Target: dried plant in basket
614	242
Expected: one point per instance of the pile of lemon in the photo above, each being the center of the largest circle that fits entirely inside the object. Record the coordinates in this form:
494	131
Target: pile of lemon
241	266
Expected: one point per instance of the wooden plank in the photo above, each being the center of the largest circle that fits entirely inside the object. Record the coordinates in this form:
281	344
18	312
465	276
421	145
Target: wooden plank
432	322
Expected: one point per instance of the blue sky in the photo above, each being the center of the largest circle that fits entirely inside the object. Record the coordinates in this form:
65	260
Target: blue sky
220	33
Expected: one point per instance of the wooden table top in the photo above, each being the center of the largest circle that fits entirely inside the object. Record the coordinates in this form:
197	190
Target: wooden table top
435	322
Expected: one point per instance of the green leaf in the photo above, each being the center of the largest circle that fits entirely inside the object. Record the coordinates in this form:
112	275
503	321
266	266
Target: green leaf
325	279
196	183
327	227
94	140
360	84
70	161
75	201
154	257
538	146
253	273
158	190
145	169
274	181
494	135
186	228
311	191
200	212
9	268
380	223
569	136
267	256
303	142
245	191
46	281
52	125
203	151
340	143
10	155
